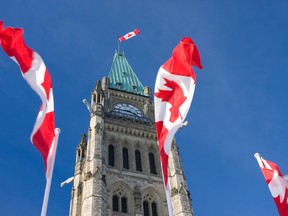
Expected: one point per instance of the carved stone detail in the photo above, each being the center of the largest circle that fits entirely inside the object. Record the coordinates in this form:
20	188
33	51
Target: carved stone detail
97	156
88	176
174	191
98	128
137	199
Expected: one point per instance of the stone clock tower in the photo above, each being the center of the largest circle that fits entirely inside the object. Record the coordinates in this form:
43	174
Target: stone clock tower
117	171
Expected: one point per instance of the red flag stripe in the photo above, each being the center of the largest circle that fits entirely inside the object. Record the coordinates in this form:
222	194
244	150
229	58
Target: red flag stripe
1	28
36	74
162	133
1	25
43	137
14	46
184	56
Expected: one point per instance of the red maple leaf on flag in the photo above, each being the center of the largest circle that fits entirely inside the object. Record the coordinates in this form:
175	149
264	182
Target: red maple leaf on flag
175	97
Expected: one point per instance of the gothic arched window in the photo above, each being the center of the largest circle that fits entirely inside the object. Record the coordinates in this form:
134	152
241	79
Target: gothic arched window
115	203
150	207
125	158
138	160
150	210
152	163
120	201
111	159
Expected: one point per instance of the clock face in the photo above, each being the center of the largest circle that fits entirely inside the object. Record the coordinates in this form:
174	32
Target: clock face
128	109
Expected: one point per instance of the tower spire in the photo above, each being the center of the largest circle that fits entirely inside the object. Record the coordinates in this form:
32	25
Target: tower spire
123	77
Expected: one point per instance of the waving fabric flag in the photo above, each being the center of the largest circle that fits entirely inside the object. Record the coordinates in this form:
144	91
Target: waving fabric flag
129	35
174	89
277	183
44	136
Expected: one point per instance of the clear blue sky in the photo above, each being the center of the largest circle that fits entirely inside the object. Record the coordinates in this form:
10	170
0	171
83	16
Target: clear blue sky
239	107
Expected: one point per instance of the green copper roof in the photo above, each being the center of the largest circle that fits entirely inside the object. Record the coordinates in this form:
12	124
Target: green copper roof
122	76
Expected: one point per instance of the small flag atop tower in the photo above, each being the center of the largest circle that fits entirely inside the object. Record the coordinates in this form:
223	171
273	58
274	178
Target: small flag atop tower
129	35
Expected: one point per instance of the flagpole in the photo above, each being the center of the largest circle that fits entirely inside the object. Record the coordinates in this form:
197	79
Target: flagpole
169	201
49	173
118	46
258	158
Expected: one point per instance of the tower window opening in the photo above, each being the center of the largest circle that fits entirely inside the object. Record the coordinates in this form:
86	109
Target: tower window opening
80	154
124	207
154	209
120	201
138	160
79	158
146	208
125	158
98	98
115	203
111	157
152	163
150	209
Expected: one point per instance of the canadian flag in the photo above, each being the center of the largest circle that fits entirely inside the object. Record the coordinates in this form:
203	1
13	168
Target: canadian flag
129	35
174	89
36	74
277	183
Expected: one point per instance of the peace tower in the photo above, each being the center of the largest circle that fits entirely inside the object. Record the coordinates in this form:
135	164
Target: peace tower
118	171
